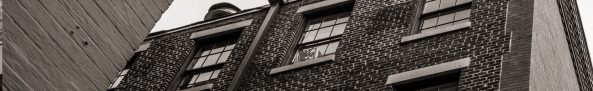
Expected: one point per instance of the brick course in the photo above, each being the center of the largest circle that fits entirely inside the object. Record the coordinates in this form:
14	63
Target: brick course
369	51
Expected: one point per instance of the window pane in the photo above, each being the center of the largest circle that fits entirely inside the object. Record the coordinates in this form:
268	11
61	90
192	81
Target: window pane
429	29
328	21
215	74
193	79
323	33
310	36
462	21
321	50
224	57
200	62
343	19
338	29
205	52
216	50
431	6
462	2
204	76
443	27
305	54
448	87
429	22
116	83
332	48
462	14
211	59
435	88
313	26
124	72
229	47
445	19
446	4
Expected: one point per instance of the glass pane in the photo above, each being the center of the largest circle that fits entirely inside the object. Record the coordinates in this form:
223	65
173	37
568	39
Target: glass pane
462	21
224	57
211	59
448	87
205	52
445	19
435	88
429	22
429	29
447	4
321	50
229	47
193	79
338	29
313	26
443	27
343	19
323	33
431	6
215	74
116	83
200	62
124	72
310	36
332	48
218	49
462	14
305	54
329	20
462	2
204	76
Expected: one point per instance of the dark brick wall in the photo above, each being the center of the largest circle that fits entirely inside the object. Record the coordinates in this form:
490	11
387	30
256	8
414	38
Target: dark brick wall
156	67
577	43
516	64
369	50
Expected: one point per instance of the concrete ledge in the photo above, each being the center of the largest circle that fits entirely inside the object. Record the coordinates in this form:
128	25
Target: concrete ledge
321	5
222	29
425	34
200	88
143	47
302	64
403	77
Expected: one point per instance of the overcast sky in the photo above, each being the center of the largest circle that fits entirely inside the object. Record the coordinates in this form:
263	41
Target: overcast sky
183	12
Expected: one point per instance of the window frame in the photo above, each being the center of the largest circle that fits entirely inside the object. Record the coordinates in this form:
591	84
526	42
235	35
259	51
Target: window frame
303	25
420	16
189	71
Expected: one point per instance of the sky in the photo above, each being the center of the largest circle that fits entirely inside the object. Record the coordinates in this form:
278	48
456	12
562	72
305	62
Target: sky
183	12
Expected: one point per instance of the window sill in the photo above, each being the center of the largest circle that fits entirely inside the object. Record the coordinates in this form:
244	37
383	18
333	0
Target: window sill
302	64
200	88
425	34
427	72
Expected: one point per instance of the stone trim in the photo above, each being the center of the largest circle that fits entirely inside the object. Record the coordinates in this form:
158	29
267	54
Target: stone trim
200	88
143	47
403	77
321	5
425	34
302	64
219	30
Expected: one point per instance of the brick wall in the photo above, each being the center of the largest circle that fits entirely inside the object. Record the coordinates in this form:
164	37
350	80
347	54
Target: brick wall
577	43
369	50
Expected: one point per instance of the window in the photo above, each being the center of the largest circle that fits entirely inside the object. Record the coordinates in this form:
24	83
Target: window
441	14
447	82
119	78
320	37
206	64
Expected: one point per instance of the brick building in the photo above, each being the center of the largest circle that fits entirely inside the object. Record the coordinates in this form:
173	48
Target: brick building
401	45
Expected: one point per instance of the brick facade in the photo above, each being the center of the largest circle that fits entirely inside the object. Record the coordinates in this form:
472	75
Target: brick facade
370	50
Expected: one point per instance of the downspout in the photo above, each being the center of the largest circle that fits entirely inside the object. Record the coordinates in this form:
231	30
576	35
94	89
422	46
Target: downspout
254	46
